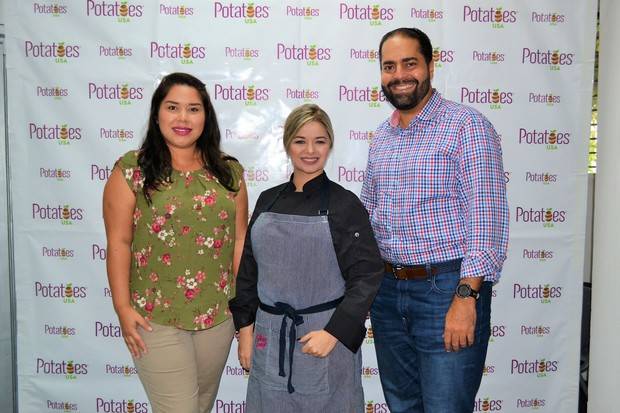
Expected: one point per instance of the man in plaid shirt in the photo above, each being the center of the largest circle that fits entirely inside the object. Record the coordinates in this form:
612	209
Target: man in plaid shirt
435	192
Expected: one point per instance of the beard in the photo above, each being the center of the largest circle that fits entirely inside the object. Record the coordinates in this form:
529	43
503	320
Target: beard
406	101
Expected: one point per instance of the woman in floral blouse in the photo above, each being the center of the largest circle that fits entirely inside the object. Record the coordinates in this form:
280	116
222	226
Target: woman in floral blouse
175	213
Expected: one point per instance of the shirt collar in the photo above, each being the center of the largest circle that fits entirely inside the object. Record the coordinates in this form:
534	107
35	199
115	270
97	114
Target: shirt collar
429	111
312	185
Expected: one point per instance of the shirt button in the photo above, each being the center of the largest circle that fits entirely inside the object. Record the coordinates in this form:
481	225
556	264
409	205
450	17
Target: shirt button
356	235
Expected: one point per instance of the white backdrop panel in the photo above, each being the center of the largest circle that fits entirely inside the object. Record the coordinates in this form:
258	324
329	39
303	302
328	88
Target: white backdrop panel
81	74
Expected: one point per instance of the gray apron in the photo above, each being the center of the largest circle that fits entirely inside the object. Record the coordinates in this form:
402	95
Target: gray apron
299	286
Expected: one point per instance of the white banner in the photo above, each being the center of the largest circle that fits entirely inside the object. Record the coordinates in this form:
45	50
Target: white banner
81	74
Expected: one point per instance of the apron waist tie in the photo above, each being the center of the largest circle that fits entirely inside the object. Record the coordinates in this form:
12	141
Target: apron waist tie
296	317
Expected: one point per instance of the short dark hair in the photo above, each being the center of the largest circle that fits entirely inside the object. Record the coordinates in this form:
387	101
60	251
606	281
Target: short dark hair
426	48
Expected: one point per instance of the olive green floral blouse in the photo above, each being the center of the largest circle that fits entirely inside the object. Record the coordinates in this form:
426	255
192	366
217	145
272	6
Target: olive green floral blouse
182	250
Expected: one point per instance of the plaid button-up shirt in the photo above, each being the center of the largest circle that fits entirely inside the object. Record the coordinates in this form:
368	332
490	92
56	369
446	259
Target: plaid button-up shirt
436	191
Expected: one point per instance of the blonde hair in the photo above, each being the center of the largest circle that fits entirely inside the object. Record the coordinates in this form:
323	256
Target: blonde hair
302	115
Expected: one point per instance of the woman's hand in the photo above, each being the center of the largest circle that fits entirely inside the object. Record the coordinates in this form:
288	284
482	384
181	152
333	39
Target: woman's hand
318	343
245	346
130	320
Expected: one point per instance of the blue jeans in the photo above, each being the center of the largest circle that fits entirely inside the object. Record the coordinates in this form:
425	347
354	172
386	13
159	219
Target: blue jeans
417	374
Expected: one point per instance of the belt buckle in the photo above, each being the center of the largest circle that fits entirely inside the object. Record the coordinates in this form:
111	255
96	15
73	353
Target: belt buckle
395	269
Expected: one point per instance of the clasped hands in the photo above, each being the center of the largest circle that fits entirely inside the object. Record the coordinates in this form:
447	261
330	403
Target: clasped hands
318	343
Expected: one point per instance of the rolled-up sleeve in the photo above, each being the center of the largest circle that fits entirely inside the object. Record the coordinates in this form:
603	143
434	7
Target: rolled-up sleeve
483	195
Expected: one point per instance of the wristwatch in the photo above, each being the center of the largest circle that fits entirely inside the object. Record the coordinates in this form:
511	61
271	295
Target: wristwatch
465	291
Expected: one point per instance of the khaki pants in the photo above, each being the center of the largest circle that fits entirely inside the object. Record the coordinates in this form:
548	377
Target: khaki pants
182	369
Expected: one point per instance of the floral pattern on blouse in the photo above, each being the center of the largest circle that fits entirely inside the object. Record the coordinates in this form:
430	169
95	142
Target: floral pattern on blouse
182	250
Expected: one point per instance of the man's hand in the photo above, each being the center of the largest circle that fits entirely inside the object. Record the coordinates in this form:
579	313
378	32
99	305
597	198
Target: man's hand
460	324
318	343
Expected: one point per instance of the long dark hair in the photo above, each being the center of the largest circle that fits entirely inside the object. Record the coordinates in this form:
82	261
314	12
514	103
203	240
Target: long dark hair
154	156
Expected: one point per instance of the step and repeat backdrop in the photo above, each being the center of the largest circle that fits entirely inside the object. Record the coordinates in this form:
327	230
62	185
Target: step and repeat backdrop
80	77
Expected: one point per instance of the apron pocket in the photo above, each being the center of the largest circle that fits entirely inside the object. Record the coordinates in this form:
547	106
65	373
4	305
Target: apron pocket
265	356
309	372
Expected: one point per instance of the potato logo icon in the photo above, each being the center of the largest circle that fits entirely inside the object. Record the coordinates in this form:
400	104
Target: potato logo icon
436	55
536	402
182	11
250	11
548	215
375	14
553	137
546	177
495	96
369	407
59	173
431	14
549	98
123	9
494	57
555	57
374	94
69	290
486	405
63	252
187	51
60	50
121	52
64	133
122	134
369	333
498	15
56	91
541	366
126	370
55	9
70	368
125	92
372	55
66	214
251	93
131	408
312	52
308	11
554	18
546	291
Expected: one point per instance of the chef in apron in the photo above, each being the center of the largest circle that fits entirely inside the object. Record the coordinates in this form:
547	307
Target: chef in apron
309	272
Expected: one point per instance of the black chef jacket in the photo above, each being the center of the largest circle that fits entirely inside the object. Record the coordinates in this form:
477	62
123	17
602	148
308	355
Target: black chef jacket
355	246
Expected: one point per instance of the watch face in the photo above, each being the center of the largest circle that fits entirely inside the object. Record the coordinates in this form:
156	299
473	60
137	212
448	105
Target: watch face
463	290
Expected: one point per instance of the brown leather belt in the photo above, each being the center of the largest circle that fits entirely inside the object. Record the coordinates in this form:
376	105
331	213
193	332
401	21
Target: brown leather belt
416	272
